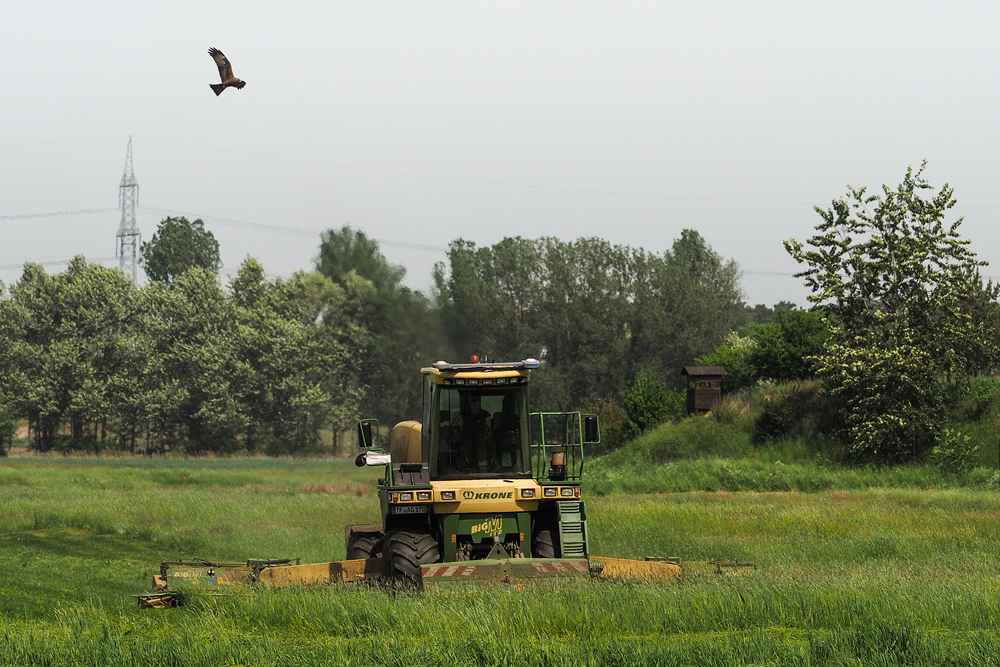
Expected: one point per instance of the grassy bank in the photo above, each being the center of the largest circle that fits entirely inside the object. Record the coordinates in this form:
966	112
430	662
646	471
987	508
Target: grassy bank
902	576
777	438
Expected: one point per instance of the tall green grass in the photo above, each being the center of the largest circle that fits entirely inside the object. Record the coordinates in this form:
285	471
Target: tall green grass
726	622
890	576
776	438
608	475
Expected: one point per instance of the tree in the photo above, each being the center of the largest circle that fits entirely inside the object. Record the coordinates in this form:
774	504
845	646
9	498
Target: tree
192	369
686	302
788	348
761	314
596	314
649	403
566	303
734	355
178	246
297	341
67	344
8	404
893	277
345	250
402	332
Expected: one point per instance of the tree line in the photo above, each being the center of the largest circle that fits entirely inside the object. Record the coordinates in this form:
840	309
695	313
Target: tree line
89	360
900	318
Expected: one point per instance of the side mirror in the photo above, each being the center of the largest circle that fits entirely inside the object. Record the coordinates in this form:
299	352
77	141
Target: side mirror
591	430
372	459
366	436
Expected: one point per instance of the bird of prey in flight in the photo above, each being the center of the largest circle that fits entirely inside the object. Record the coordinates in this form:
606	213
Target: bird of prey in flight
225	71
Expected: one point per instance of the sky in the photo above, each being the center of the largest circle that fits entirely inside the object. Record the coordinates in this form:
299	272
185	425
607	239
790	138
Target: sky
420	123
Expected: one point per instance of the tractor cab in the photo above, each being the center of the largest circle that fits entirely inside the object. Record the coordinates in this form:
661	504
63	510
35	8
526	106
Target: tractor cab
479	476
477	422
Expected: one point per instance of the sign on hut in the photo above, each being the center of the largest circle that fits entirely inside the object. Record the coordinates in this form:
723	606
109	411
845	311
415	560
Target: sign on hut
704	387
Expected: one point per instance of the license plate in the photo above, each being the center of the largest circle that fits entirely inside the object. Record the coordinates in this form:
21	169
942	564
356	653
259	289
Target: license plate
410	509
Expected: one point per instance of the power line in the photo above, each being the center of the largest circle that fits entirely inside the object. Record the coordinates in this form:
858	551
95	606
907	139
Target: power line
295	231
437	177
474	181
55	262
241	224
62	141
55	214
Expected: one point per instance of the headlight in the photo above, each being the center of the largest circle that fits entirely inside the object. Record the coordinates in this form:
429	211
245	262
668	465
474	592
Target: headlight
550	492
406	497
566	491
527	493
423	495
447	495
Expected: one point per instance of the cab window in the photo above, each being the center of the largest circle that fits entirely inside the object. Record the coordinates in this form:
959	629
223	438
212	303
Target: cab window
480	432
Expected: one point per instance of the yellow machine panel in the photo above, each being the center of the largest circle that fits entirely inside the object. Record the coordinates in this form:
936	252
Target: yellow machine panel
486	495
439	377
404	444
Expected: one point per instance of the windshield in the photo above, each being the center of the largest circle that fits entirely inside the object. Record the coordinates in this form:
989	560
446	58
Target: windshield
479	432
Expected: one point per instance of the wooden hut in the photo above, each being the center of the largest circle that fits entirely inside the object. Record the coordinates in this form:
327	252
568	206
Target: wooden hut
704	387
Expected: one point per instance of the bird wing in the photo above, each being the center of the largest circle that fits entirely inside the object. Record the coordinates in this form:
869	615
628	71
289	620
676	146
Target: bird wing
225	69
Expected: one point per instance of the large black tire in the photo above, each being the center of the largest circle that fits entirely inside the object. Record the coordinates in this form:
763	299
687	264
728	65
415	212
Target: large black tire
544	544
405	552
364	546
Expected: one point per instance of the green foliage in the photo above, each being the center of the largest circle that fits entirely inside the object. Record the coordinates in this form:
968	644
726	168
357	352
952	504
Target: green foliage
786	350
649	403
955	452
734	354
9	417
67	343
178	246
345	250
774	421
877	575
896	281
761	314
597	315
93	362
615	426
402	332
893	397
983	392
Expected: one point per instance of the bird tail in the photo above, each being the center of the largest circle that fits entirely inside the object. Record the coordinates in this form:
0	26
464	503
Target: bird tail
217	87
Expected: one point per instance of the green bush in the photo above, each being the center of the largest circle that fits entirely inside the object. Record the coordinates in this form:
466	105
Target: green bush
787	349
774	420
955	452
983	392
649	403
734	355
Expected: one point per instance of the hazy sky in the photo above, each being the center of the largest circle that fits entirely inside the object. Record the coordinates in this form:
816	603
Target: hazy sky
423	122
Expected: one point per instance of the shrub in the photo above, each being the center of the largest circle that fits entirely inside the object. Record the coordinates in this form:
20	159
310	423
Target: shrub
982	393
775	419
955	452
786	350
734	355
649	403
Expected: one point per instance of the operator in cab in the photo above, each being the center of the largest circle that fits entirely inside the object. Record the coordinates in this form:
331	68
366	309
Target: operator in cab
474	427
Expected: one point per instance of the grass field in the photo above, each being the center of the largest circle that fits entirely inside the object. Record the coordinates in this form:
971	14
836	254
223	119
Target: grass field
866	576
